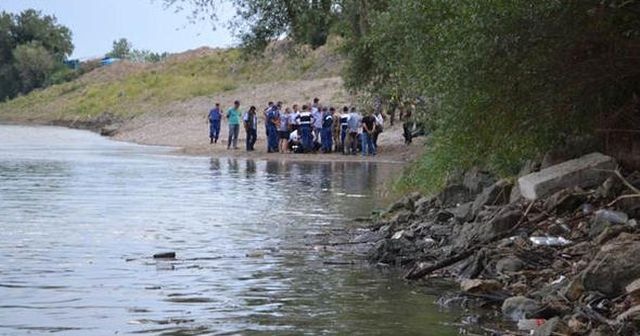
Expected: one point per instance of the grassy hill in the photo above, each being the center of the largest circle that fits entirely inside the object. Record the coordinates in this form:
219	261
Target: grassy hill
126	90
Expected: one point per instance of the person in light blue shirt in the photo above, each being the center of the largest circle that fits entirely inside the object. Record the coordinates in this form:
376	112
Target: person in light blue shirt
233	118
214	123
353	126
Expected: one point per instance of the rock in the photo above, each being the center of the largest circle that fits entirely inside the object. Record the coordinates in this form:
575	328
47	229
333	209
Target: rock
509	264
564	201
480	286
630	206
475	180
519	307
424	201
368	237
631	314
401	204
405	203
165	255
403	234
474	266
423	205
584	172
616	265
401	218
453	195
527	168
515	194
579	249
574	290
487	230
633	290
601	330
547	328
577	324
504	221
443	216
496	194
462	212
440	230
395	251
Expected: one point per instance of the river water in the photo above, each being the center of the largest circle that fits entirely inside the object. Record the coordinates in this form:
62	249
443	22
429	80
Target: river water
81	217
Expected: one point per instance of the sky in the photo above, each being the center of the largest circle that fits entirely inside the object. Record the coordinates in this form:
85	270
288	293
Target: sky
95	24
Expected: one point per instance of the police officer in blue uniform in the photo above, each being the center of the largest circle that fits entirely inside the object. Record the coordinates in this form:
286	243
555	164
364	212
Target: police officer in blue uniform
305	120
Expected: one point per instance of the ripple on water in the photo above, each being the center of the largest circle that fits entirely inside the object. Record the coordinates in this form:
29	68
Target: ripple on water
81	217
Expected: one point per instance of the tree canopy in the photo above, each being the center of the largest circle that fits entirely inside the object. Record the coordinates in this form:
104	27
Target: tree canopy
259	22
121	48
32	48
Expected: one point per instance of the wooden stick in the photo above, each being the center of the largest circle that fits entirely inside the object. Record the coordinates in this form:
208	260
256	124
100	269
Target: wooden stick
621	198
624	180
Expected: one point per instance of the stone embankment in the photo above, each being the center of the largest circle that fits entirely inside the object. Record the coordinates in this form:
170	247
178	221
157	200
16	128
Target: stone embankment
557	250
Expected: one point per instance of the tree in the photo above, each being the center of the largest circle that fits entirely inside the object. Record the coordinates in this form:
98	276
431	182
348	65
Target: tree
505	79
34	63
30	25
26	38
259	22
121	48
146	56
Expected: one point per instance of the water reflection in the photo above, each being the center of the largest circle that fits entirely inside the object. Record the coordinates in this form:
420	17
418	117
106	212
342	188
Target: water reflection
79	226
251	168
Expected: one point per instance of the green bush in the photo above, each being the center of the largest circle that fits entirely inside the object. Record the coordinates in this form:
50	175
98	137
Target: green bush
508	78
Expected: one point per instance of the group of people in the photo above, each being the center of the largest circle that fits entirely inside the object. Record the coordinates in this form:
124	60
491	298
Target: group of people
307	129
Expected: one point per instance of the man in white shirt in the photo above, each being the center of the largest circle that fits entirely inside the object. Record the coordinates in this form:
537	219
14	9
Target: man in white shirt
293	118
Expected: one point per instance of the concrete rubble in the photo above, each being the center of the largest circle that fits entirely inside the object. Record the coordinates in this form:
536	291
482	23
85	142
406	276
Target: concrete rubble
566	253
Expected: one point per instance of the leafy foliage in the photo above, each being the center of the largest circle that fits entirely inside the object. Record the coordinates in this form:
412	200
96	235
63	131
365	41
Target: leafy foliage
145	56
259	22
32	48
120	49
505	79
33	63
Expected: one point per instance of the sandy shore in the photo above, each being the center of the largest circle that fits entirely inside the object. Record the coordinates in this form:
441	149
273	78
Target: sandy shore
189	132
184	124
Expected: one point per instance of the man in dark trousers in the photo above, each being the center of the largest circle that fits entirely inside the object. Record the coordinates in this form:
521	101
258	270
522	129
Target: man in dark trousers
305	121
327	128
368	125
214	123
250	120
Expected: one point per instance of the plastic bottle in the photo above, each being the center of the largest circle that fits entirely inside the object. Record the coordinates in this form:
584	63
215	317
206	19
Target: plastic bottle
613	217
549	241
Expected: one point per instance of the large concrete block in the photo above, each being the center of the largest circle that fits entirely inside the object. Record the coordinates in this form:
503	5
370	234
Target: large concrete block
586	171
